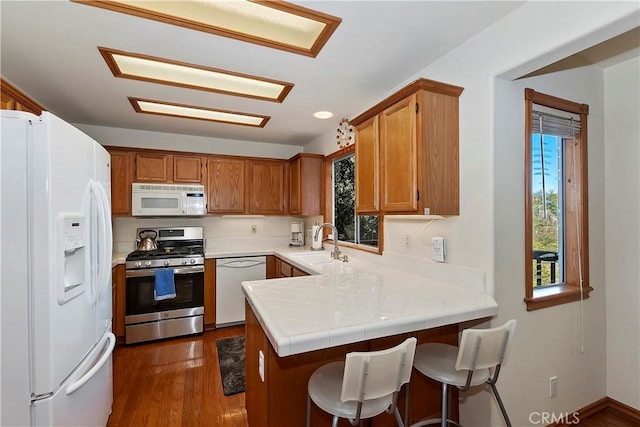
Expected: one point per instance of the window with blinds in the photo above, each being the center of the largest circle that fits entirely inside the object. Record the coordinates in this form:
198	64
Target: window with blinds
556	214
554	124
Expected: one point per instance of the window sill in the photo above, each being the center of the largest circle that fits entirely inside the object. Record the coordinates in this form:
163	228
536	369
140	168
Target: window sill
364	248
555	295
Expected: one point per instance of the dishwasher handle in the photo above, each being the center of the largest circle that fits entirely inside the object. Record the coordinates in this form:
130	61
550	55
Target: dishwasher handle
240	263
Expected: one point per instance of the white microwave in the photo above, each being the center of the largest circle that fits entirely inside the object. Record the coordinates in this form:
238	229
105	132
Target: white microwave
168	200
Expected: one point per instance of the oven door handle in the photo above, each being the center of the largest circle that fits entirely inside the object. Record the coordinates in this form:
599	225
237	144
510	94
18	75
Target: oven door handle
151	271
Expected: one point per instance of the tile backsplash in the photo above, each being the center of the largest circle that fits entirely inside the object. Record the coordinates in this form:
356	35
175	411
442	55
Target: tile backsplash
215	228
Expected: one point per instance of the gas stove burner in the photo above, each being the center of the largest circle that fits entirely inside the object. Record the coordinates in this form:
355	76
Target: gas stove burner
194	251
177	246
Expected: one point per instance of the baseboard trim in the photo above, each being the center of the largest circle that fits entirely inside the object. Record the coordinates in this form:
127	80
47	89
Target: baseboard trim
600	405
624	410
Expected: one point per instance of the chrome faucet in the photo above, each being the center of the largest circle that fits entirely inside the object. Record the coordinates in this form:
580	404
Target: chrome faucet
335	254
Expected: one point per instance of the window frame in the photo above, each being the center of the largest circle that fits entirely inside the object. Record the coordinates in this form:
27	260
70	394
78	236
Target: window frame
327	194
569	290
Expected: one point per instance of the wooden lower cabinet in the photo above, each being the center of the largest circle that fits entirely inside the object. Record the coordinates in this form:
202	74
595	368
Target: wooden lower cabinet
209	294
296	272
272	266
277	268
281	399
118	282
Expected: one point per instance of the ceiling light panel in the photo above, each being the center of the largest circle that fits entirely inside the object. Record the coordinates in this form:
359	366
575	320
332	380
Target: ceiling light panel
149	106
160	70
275	24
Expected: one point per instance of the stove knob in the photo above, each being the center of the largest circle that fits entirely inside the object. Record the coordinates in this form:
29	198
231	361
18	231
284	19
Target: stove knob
184	262
137	264
166	263
147	264
192	261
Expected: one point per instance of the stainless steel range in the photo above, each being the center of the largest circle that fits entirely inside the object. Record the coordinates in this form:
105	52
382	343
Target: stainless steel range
182	250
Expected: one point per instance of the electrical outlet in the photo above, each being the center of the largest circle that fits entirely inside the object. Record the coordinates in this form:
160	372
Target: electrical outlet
406	240
437	249
254	228
553	386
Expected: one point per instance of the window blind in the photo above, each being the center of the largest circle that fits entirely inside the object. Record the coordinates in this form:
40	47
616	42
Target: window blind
551	124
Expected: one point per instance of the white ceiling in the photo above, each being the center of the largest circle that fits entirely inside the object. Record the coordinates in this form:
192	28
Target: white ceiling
49	50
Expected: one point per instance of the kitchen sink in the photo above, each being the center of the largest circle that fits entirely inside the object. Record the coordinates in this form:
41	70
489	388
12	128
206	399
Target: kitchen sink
312	258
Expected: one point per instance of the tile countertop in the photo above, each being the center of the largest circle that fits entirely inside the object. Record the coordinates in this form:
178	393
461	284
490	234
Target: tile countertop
368	297
356	301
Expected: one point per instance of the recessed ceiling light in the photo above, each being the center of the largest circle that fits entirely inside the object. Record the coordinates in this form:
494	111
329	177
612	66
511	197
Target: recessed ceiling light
201	113
275	24
160	70
323	115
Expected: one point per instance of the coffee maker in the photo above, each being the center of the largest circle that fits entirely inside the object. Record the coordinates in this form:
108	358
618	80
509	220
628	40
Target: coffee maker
297	234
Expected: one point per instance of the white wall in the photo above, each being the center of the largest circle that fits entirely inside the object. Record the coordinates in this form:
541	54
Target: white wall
548	341
622	224
488	233
176	142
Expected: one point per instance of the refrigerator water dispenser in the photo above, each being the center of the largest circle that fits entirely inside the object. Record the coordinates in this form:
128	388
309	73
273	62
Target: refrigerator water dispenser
73	253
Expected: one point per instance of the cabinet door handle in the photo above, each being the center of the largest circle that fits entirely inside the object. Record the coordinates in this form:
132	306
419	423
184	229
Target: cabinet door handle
418	195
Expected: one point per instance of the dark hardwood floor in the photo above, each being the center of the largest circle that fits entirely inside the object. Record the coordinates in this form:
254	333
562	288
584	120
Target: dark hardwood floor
177	383
608	418
174	383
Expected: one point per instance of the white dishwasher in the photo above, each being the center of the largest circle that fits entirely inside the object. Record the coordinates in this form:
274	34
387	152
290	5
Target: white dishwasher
230	273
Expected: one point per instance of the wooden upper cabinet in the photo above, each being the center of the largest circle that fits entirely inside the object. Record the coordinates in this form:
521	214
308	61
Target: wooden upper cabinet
7	102
418	139
305	184
121	180
368	167
398	149
266	187
152	167
225	185
161	168
295	186
187	169
439	169
13	99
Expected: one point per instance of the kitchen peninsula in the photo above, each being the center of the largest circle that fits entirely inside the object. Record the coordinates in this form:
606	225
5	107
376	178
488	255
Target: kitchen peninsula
295	325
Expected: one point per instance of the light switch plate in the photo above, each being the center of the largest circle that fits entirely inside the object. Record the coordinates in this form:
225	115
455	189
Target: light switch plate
438	249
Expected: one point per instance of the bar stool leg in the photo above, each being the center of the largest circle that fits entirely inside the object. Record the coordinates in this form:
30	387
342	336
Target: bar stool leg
308	411
500	404
445	406
406	405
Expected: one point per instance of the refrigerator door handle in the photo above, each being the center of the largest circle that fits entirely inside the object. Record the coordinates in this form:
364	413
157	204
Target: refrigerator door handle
108	239
106	244
94	370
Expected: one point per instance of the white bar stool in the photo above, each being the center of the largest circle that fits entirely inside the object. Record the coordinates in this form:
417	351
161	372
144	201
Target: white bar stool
476	361
366	384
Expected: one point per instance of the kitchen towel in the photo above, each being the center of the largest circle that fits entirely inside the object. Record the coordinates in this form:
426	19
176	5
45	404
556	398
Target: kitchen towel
165	285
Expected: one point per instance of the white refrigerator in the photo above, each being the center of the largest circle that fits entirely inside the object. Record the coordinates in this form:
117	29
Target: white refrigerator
55	274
